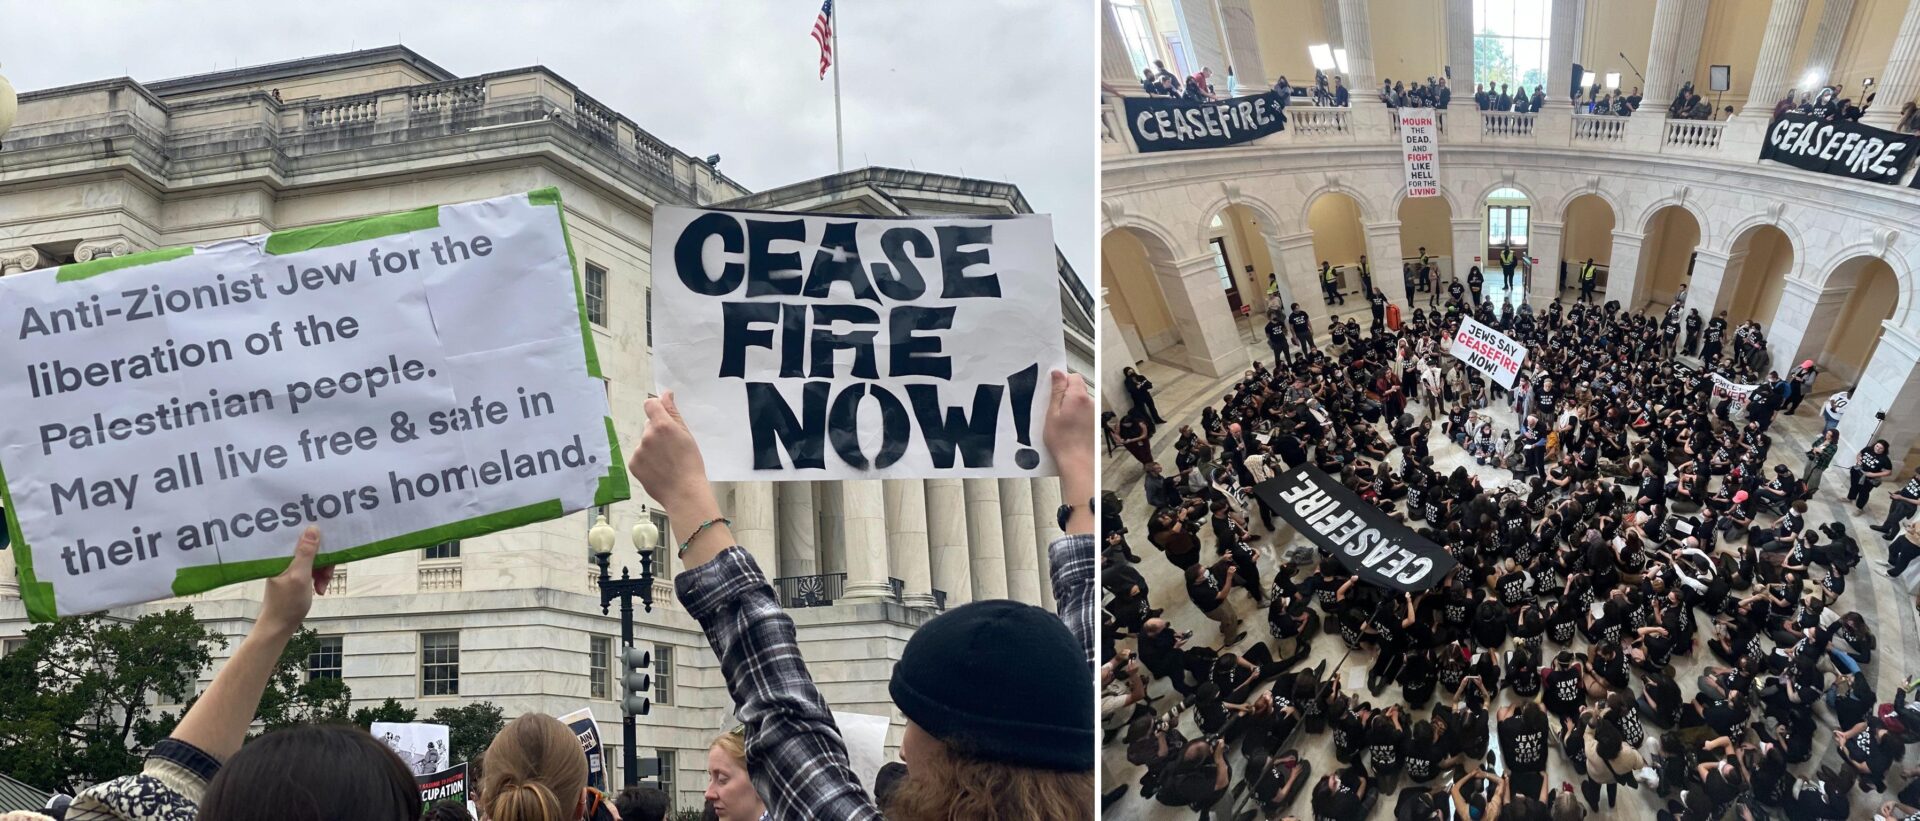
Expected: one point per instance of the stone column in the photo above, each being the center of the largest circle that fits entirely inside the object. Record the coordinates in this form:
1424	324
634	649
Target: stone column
1560	49
1018	536
1460	52
868	568
753	524
1776	50
1735	265
1046	524
1243	45
987	545
19	261
1900	82
947	540
1543	284
797	544
1467	244
1200	24
1199	307
1115	65
1891	384
1361	84
1827	35
1662	54
1623	275
1299	272
907	543
1330	17
1384	252
1686	60
1116	353
1804	319
1707	288
830	514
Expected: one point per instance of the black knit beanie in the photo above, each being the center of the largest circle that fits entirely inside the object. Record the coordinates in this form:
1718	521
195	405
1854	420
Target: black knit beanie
1002	681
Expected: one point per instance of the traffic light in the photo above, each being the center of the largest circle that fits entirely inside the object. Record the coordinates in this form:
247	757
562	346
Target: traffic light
635	684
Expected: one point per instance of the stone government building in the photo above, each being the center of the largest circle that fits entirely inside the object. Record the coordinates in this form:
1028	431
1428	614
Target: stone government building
118	166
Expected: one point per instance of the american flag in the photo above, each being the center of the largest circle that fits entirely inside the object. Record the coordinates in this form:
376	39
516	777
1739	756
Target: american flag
823	34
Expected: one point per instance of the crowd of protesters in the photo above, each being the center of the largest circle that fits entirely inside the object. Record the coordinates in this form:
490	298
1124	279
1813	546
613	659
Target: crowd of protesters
995	694
1623	511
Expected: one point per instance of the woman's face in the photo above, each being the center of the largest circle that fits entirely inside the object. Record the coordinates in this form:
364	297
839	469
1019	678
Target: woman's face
729	790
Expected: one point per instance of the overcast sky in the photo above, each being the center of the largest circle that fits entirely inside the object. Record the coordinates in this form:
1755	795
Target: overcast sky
995	89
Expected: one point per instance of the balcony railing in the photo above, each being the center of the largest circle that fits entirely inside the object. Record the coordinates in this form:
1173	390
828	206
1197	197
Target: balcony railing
439	578
819	590
1506	124
1701	134
1316	120
458	95
361	110
1604	128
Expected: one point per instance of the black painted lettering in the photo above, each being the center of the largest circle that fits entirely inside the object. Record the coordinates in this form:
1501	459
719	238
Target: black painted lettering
911	355
899	277
944	429
774	426
689	253
954	262
769	273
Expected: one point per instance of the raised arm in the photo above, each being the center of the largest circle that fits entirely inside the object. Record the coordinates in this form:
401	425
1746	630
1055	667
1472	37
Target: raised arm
795	754
1069	437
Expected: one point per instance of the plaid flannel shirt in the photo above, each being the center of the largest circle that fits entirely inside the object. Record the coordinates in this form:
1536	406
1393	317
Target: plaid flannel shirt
795	754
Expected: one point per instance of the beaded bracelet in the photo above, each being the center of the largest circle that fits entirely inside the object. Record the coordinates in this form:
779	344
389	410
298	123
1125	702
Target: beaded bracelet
719	520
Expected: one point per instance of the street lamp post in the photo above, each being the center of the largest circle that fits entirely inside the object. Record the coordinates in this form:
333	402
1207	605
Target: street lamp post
645	537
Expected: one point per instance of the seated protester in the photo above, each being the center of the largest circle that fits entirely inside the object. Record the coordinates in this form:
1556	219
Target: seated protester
1274	780
1605	671
1159	749
1523	672
1660	699
1869	751
1781	490
1619	709
1343	794
1529	627
1560	691
1425	747
1164	653
1523	746
1417	678
959	704
1384	737
1350	731
1197	781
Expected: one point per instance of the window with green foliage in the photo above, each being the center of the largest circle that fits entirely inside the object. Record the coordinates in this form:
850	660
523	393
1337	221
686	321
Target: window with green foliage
1511	46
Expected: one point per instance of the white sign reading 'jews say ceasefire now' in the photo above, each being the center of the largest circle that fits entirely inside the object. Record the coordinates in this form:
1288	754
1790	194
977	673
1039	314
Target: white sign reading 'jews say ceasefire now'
177	418
1489	351
821	346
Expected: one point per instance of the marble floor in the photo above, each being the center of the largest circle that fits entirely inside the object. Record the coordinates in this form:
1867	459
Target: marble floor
1181	395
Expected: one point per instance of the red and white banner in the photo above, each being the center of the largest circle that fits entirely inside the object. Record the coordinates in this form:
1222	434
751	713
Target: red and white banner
1419	136
1491	352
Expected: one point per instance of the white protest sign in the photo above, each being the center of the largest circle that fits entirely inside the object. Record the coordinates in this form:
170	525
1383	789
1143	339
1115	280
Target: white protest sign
821	346
1724	388
422	746
176	418
1488	351
1418	136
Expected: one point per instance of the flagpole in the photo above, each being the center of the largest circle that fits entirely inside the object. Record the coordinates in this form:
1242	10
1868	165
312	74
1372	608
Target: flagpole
833	31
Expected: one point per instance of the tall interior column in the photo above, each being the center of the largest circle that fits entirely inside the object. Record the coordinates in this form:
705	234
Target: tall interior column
1776	49
907	541
868	565
1016	527
1200	24
1686	49
1901	80
1384	253
1662	54
1199	307
1709	278
1890	383
1545	245
830	515
1825	49
1623	274
1356	33
1243	45
1046	524
1468	243
797	543
1460	51
987	543
1115	64
1560	49
1298	271
947	540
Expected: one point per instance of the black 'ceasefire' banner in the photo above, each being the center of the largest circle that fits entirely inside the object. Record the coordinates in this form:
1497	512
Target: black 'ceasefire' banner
1379	550
1843	149
1171	124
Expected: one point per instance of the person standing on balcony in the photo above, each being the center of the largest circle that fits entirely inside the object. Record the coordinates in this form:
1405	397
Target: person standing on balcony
1442	94
1503	101
1633	100
1340	96
1481	99
1539	98
1386	93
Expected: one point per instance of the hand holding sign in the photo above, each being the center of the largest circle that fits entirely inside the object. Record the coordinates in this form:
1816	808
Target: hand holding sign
290	594
671	470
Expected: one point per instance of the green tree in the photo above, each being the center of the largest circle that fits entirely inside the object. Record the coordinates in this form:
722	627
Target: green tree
75	699
293	696
389	711
1492	65
470	728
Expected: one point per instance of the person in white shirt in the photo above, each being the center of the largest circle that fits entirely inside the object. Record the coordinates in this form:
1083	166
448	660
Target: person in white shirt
1836	405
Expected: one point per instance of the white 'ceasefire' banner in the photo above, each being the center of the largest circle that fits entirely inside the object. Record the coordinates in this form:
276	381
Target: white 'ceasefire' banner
1418	133
820	346
176	418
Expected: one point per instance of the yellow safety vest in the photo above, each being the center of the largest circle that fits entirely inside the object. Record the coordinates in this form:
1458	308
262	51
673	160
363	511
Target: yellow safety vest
1363	268
1506	257
1586	272
1326	274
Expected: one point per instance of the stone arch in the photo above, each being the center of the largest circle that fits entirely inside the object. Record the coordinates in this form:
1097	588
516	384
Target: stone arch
1533	199
1753	279
1268	216
1400	199
1644	217
1115	218
1772	218
1591	188
1823	276
1369	210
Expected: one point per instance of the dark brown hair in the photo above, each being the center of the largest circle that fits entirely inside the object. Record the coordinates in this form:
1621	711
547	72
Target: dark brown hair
321	772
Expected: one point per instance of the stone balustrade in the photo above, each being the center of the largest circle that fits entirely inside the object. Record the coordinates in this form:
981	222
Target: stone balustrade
435	578
1693	134
1604	128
